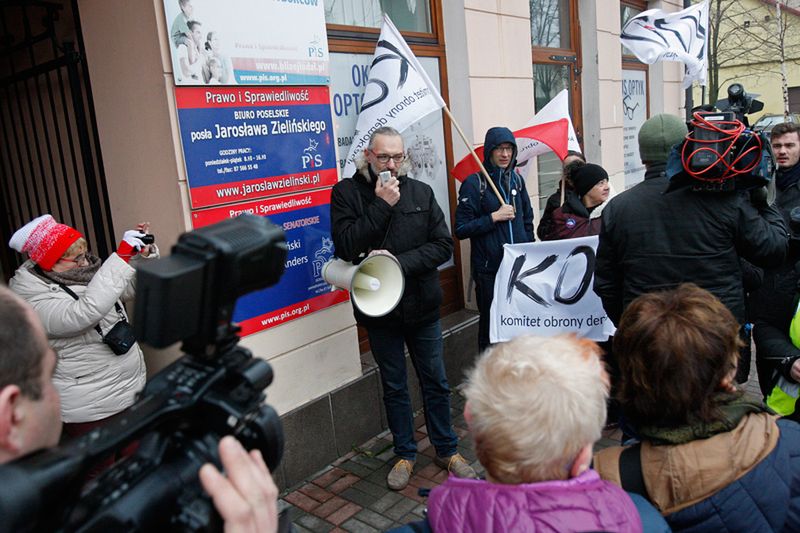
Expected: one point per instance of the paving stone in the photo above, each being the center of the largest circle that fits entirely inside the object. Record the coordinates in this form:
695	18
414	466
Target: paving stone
424	443
419	510
343	513
412	492
374	519
386	455
422	461
345	457
329	476
317	525
400	509
386	501
298	499
329	507
379	476
356	526
369	462
300	529
343	482
421	482
428	471
357	469
294	513
370	488
410	517
356	496
314	491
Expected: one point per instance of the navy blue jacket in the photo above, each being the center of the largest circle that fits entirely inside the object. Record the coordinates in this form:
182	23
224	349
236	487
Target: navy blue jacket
765	499
477	202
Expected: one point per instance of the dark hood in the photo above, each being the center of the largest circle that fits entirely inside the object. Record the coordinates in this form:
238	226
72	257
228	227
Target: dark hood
495	137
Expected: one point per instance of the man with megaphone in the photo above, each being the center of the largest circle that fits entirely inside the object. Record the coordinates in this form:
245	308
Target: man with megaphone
382	213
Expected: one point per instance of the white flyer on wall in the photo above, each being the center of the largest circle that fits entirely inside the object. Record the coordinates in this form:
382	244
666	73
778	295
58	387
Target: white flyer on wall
248	42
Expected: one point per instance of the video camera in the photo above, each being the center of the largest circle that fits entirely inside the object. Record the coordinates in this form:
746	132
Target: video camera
216	389
720	152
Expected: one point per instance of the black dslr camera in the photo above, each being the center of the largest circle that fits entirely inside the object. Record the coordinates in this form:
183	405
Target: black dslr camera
216	389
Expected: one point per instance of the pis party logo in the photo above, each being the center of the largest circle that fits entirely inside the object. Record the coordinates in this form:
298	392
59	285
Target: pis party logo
310	158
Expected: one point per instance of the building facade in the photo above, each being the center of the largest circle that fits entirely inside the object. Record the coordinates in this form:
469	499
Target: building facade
496	62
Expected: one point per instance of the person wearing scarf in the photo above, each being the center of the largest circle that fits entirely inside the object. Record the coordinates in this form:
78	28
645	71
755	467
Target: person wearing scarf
773	305
93	383
710	458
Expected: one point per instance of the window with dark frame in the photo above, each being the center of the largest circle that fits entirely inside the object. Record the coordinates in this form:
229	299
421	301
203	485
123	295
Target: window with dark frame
555	42
353	28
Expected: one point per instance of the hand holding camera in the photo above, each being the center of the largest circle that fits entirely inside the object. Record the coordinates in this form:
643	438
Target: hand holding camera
137	241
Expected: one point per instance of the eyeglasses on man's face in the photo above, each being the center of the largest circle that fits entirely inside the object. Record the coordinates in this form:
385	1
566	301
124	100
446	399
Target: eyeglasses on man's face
505	148
384	158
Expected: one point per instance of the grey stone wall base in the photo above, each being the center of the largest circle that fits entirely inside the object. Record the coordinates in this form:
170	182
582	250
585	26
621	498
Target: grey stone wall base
318	433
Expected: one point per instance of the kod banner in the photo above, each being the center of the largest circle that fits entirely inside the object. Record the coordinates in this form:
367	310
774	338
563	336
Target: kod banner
301	290
248	42
242	143
545	288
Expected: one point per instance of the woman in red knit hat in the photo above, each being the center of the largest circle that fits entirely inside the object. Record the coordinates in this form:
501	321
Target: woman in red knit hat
78	298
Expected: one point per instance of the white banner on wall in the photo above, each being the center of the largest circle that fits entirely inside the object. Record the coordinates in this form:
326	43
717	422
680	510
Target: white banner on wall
634	109
545	288
424	139
248	42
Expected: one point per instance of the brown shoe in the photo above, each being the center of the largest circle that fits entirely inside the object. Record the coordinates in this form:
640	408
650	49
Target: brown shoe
456	465
399	475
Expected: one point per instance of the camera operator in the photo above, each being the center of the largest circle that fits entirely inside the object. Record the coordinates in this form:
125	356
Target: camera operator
774	304
665	232
29	421
78	299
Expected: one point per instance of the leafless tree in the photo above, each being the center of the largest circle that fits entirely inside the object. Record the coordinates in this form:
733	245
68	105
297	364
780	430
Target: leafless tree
741	35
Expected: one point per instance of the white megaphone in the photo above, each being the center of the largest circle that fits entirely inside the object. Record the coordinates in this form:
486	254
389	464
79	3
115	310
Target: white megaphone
376	284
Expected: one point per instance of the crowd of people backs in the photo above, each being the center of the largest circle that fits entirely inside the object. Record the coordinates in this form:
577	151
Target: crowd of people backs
703	455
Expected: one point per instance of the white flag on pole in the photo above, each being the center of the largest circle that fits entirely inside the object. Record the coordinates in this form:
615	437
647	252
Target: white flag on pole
398	93
556	109
654	35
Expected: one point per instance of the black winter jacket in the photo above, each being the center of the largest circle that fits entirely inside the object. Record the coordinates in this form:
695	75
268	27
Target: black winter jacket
653	239
477	202
773	305
413	230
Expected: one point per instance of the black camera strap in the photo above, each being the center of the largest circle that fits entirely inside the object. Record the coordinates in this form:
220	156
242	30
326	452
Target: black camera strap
72	293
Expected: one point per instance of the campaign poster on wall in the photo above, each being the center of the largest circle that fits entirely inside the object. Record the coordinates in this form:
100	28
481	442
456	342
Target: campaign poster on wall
247	42
301	290
424	140
242	143
634	109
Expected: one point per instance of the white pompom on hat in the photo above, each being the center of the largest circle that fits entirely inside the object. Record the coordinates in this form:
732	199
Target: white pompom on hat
45	240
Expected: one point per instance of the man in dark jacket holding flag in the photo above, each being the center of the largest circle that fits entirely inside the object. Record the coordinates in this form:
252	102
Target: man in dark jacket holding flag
489	224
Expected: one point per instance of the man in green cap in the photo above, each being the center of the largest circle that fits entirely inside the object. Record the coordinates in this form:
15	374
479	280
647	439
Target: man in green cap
662	232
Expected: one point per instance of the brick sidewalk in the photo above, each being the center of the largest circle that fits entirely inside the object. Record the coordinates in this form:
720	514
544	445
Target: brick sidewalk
351	494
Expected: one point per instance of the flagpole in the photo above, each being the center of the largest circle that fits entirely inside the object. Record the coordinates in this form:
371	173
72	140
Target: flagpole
474	156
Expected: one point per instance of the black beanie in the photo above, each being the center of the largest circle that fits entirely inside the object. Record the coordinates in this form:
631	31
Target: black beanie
587	176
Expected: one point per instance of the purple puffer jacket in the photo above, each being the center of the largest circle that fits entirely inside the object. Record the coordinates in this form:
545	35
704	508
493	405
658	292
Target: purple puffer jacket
584	503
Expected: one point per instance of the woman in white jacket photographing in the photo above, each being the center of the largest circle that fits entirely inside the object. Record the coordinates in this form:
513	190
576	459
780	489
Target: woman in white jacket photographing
78	298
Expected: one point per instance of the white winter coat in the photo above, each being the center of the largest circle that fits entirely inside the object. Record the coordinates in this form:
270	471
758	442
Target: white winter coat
92	381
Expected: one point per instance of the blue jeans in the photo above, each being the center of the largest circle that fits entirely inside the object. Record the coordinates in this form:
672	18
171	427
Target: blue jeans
425	347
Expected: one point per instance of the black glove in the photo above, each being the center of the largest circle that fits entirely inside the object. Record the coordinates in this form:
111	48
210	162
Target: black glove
758	197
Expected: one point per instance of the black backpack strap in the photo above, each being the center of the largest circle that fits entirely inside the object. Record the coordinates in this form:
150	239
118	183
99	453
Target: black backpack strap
630	471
